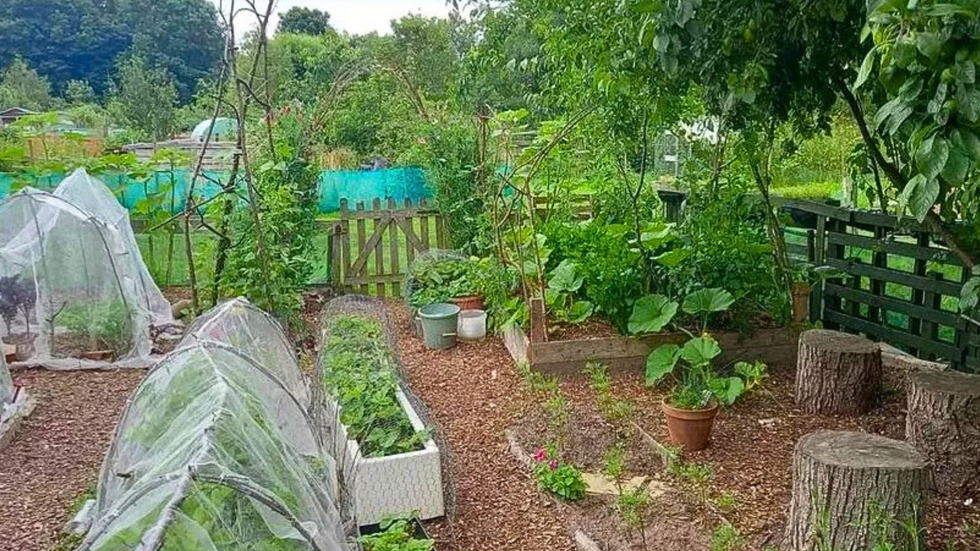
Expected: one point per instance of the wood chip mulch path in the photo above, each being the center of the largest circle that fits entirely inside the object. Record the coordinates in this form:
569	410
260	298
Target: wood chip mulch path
470	391
57	452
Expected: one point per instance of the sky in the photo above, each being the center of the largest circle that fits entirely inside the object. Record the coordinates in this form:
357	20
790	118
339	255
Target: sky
362	16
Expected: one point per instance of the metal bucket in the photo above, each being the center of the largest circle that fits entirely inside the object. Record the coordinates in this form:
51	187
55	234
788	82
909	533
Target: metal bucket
439	325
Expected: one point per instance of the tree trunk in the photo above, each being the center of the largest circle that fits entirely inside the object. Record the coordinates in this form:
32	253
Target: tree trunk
837	373
943	422
852	491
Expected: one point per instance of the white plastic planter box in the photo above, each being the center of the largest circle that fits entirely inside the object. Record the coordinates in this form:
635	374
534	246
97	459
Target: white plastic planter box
395	484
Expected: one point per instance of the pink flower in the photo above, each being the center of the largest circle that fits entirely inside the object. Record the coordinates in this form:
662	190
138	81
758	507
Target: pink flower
540	455
553	464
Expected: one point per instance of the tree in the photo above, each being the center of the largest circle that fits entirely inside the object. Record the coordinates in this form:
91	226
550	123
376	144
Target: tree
145	98
64	40
182	36
922	70
298	20
21	86
787	61
83	39
78	92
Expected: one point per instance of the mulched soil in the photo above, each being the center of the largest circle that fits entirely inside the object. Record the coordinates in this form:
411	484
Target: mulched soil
56	455
750	456
469	391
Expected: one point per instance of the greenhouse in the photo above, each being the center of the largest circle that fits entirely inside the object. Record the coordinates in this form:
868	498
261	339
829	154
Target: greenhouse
70	292
214	452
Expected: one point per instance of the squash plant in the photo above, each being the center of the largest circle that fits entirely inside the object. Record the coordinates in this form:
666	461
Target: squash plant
564	282
697	382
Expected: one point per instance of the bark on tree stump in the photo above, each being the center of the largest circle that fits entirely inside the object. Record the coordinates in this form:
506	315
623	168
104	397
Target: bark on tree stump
837	373
851	488
943	422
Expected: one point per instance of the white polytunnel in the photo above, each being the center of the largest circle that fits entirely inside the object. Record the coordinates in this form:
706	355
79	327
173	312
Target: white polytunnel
215	452
74	291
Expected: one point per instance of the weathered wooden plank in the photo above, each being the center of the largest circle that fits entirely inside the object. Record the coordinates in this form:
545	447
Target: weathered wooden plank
374	279
517	343
345	259
894	276
358	265
394	262
625	347
406	225
442	239
424	231
893	304
381	220
410	213
334	257
408	229
620	353
910	250
893	336
372	245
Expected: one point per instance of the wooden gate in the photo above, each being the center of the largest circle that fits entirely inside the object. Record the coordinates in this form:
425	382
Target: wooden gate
371	250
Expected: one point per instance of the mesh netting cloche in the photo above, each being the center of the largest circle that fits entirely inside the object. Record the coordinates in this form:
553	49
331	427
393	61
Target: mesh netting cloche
214	452
73	286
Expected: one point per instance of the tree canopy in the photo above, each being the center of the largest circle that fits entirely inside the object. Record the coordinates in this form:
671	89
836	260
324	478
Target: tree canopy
84	39
300	20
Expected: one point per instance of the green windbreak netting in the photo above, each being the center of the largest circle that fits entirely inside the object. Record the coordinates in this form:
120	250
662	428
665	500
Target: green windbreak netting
365	186
257	335
214	453
171	188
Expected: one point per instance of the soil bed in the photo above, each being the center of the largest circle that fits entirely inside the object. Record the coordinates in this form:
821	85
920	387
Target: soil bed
56	454
469	391
750	457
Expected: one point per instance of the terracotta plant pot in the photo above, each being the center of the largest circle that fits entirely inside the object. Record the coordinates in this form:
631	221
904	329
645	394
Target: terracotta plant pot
801	302
470	302
689	429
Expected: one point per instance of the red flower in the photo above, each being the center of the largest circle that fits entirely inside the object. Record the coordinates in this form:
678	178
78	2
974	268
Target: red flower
540	455
553	464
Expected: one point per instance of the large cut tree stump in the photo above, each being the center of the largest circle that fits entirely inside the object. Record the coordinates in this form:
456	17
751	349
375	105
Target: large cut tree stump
849	488
943	422
837	373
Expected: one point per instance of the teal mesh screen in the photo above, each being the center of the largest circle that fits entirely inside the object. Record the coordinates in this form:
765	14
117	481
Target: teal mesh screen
354	185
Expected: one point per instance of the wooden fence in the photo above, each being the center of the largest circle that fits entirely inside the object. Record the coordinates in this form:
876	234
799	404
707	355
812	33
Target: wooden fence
902	285
371	250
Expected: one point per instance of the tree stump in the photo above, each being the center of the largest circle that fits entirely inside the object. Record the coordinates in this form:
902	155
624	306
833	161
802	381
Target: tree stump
837	373
943	422
852	488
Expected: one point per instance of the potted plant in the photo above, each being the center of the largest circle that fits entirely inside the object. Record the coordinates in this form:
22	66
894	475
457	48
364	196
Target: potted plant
699	391
446	280
805	277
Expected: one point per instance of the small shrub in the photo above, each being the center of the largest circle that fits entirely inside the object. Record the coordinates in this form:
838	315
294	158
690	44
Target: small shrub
726	538
616	411
631	508
397	534
561	479
726	502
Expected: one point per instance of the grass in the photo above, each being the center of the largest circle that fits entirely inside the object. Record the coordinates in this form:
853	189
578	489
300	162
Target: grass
203	244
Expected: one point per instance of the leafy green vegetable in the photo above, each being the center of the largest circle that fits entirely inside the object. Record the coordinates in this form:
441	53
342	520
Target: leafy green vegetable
357	368
651	314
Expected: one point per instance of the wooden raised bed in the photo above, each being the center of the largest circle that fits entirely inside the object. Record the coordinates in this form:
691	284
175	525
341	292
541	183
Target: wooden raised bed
568	357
